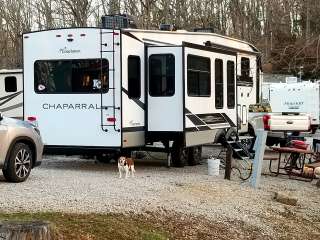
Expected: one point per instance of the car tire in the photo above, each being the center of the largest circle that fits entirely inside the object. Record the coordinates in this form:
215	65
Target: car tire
19	163
194	155
179	154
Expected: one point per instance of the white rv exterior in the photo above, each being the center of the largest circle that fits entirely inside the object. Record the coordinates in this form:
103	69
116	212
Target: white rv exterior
11	97
98	88
296	97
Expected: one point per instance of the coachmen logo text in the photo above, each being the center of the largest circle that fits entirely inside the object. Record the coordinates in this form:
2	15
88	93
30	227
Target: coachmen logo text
293	105
65	50
70	106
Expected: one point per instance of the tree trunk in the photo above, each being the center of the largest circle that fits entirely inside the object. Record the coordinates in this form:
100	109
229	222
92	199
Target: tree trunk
26	231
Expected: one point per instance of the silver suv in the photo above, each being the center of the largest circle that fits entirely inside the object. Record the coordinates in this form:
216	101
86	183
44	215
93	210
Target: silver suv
21	148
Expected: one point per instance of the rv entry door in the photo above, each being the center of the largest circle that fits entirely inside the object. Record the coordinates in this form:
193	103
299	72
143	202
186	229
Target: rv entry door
165	89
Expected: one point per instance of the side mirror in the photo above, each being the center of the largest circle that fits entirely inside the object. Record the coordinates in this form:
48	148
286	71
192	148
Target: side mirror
1	117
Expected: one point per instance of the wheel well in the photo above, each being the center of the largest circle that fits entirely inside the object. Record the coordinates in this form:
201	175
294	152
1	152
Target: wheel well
26	141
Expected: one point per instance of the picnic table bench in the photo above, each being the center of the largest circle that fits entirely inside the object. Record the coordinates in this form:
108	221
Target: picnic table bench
294	164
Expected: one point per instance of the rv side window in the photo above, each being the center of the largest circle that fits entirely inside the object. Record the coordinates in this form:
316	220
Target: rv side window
199	76
219	83
231	84
71	76
10	84
245	78
134	77
161	75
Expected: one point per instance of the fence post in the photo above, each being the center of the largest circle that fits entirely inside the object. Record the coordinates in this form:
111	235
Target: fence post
259	148
227	173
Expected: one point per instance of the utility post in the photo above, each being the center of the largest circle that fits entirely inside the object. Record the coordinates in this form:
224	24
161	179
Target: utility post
227	173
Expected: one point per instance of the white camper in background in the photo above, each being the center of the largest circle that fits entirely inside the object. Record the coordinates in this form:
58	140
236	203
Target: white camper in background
295	97
11	98
104	89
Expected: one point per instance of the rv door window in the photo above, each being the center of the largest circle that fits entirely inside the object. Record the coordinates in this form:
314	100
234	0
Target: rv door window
219	83
199	76
10	84
161	75
134	77
230	85
245	79
71	76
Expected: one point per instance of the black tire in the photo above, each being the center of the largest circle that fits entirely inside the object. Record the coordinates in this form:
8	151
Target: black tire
249	143
194	155
178	154
19	163
103	158
271	142
230	135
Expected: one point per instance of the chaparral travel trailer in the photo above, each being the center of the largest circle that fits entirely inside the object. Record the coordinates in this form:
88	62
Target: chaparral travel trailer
295	97
103	89
11	87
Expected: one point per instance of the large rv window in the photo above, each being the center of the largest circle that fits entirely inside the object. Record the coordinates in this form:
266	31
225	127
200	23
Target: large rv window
134	77
219	83
10	84
199	76
71	76
231	85
161	75
245	78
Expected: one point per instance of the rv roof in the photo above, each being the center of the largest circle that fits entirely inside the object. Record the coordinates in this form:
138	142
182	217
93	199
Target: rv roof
207	37
184	32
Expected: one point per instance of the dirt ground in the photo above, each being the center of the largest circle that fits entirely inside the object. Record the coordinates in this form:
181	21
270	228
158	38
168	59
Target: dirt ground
82	196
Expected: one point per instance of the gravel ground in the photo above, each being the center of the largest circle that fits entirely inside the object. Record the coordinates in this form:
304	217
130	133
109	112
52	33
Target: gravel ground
70	184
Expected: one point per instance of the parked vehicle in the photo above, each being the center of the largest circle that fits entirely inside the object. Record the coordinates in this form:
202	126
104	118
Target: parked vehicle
21	148
11	87
295	97
100	90
279	125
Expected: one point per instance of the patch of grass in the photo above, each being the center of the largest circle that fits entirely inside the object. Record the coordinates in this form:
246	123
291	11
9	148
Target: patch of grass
94	226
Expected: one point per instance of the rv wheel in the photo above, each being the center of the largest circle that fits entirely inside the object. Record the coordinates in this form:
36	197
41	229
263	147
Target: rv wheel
194	155
103	158
179	154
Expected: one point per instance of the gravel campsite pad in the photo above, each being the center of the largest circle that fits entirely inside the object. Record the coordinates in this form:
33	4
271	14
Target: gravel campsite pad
207	204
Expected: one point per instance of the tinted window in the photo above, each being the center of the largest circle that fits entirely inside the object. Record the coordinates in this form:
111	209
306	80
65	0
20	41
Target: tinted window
10	84
71	76
198	76
219	83
245	78
161	75
231	84
134	77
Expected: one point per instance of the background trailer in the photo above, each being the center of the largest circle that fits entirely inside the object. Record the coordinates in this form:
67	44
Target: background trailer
11	87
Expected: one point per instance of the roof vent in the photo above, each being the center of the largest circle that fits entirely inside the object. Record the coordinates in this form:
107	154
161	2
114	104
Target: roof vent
206	30
167	27
118	21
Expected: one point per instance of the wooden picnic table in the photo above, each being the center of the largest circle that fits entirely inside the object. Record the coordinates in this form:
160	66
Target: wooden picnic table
290	166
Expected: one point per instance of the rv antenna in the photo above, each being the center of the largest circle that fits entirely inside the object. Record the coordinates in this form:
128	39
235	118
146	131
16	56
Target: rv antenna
300	73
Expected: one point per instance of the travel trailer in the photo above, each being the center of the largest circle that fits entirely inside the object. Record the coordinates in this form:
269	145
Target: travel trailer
11	87
294	97
116	89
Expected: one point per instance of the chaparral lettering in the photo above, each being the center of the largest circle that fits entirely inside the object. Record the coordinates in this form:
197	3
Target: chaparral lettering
70	106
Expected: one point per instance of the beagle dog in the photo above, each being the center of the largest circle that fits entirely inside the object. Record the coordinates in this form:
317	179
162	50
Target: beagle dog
126	165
